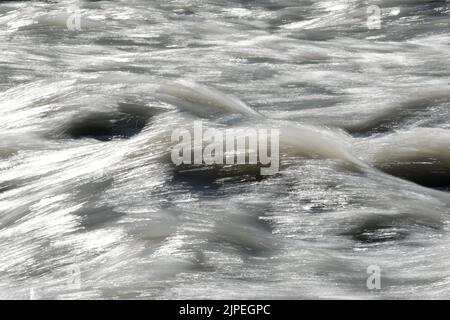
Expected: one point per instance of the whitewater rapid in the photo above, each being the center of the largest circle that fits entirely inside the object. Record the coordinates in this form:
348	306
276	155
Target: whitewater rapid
91	205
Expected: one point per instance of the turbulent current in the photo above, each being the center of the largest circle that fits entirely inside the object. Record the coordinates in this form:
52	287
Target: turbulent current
91	205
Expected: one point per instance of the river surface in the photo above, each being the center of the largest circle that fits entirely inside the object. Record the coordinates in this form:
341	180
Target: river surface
91	205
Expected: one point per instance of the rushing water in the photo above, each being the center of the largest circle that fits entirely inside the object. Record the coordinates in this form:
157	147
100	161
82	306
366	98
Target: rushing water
92	207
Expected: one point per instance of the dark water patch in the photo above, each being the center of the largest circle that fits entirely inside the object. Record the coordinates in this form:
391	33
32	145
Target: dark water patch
379	234
384	229
428	173
199	179
6	187
202	177
127	121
